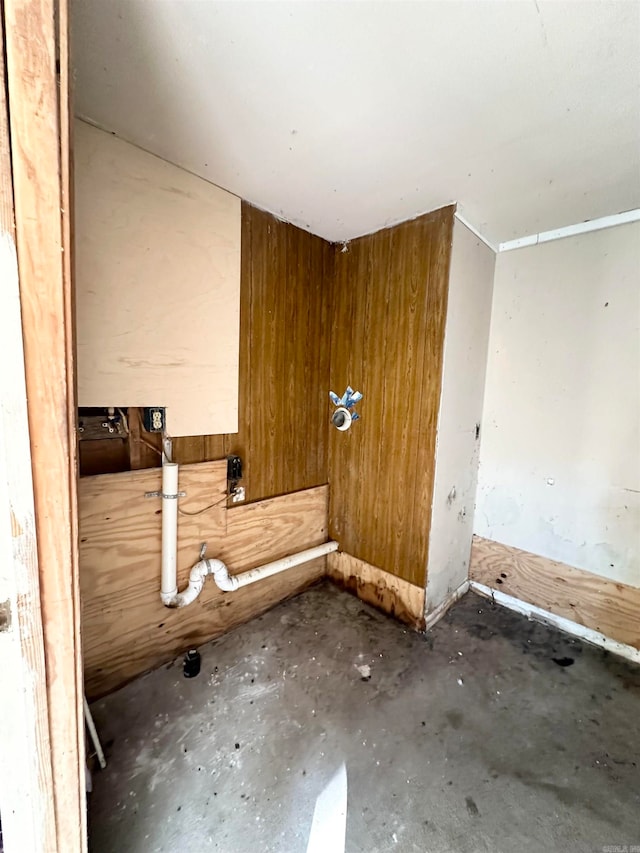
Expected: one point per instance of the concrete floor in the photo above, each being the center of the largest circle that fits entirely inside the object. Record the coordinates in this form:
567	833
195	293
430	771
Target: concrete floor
490	733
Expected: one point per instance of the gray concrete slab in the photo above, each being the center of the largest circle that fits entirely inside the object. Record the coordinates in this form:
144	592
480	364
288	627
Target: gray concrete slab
489	733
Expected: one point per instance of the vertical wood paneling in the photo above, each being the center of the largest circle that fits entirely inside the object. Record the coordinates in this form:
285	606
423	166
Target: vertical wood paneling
284	361
321	342
388	307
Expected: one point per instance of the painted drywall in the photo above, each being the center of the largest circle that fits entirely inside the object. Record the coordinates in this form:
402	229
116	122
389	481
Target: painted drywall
560	454
347	117
157	286
459	420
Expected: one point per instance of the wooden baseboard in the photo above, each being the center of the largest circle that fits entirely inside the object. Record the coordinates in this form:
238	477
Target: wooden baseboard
438	612
601	606
547	618
382	590
126	629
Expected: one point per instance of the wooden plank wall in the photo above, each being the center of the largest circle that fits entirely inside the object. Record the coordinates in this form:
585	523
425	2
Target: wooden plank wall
284	361
389	305
598	603
126	628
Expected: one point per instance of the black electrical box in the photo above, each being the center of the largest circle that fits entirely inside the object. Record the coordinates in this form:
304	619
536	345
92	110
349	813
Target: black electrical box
153	419
234	468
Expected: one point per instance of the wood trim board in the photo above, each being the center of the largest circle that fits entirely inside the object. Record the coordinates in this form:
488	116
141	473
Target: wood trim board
384	591
612	609
36	49
26	794
530	611
438	612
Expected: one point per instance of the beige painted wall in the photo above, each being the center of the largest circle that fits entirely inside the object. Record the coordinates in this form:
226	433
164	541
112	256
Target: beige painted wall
158	286
560	456
463	378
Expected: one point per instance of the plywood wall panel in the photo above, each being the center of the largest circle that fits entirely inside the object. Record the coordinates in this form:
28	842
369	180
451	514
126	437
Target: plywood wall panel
268	530
598	603
284	361
388	309
158	286
126	629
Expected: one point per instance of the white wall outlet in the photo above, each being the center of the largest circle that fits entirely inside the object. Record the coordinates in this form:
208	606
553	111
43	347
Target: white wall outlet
238	495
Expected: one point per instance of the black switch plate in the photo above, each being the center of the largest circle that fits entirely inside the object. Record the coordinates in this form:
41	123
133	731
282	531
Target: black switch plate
234	468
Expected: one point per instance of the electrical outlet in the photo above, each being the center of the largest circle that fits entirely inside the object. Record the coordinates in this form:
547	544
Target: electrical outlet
154	419
238	495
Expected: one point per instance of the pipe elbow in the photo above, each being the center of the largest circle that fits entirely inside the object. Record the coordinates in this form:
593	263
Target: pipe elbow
224	581
197	576
199	571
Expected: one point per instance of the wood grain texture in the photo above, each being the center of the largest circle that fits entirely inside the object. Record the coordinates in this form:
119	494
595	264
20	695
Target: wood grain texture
103	456
126	628
36	42
389	307
603	605
26	792
145	448
284	361
188	450
67	215
382	590
137	449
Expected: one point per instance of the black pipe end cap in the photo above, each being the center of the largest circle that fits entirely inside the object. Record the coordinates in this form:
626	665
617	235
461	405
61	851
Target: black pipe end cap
191	664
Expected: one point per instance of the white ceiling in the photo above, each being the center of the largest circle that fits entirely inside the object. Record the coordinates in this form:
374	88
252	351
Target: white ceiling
344	117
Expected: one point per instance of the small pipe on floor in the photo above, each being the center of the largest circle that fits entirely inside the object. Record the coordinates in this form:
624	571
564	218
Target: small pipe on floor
88	717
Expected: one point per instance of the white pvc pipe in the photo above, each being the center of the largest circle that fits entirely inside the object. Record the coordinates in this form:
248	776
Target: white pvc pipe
93	732
197	577
229	583
226	582
282	565
169	587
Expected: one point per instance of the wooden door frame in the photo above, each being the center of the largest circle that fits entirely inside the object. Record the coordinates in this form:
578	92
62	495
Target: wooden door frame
42	799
